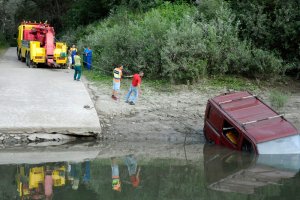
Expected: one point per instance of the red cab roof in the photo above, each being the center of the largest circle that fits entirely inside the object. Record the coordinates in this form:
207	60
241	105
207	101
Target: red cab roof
259	121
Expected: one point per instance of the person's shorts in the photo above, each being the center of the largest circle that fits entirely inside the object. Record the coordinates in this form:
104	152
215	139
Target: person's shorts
115	170
116	86
70	60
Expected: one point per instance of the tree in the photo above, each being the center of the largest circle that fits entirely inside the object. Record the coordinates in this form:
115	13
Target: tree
271	24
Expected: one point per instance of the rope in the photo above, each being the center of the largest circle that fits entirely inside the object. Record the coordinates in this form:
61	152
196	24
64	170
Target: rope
106	71
103	70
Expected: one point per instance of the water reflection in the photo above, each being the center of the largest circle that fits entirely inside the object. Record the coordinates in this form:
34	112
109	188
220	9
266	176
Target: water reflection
133	172
39	181
176	173
233	171
58	180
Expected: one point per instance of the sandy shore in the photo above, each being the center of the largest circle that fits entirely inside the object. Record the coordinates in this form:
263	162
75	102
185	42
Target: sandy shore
168	116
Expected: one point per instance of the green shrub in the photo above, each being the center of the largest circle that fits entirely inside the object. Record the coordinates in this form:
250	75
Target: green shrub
176	42
208	8
185	53
3	42
278	99
134	41
199	47
272	25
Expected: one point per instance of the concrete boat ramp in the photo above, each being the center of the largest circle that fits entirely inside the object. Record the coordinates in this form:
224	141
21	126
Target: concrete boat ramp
43	100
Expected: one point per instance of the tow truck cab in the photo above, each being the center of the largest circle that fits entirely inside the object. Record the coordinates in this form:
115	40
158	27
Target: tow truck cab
241	121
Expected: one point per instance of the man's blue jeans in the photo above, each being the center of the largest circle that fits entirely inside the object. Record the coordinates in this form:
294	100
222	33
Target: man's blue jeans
134	91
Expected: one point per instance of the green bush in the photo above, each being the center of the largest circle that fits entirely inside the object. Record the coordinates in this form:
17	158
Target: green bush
271	24
134	41
177	42
278	99
211	46
185	54
3	42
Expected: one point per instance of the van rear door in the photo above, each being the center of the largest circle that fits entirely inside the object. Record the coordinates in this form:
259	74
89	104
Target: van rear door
213	124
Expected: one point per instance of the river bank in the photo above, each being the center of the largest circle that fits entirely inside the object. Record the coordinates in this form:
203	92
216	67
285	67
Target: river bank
171	112
164	112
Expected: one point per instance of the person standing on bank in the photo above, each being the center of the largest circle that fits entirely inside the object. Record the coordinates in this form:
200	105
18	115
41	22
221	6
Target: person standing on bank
85	50
117	81
135	88
73	53
133	170
116	182
77	61
89	53
69	59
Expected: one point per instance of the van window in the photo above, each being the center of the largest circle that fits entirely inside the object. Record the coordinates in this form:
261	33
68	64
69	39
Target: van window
230	133
215	119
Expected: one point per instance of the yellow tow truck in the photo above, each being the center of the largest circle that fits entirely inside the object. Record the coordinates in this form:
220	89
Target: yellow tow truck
37	45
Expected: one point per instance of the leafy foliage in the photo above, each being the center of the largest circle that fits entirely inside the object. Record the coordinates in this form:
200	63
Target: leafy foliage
271	24
178	39
2	40
278	99
179	42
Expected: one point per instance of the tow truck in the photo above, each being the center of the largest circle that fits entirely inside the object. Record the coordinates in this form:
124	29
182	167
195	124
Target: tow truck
37	45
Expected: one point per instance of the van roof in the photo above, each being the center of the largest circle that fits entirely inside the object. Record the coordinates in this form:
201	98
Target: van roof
259	121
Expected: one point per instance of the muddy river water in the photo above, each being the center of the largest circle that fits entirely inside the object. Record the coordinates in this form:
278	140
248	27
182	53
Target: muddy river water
117	170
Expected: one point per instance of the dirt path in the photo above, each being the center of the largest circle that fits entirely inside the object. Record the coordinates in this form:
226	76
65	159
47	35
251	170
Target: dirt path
167	116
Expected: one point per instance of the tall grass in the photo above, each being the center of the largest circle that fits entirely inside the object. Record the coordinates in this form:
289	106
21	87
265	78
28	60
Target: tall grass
278	99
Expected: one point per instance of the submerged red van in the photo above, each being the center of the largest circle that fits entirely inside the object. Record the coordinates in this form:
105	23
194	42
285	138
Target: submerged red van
241	121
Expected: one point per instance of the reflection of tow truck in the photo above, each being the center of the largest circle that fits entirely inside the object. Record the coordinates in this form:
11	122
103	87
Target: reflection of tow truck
36	45
22	182
31	180
241	121
36	177
59	176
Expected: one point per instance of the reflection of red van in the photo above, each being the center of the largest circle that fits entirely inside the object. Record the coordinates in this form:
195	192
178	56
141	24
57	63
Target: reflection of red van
232	171
241	121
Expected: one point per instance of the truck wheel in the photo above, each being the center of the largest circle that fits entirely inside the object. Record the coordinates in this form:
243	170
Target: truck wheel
28	59
18	54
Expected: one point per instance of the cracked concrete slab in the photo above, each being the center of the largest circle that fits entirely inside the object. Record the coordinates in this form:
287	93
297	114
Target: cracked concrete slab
37	100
